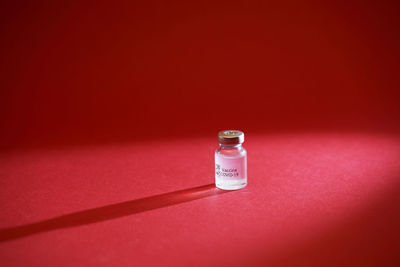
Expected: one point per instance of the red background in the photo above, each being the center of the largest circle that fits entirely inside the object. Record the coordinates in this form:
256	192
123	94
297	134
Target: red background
105	103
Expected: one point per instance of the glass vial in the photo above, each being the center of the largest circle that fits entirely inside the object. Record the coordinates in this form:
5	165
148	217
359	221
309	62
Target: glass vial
230	161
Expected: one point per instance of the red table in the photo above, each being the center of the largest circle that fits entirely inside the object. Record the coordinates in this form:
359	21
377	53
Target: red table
326	199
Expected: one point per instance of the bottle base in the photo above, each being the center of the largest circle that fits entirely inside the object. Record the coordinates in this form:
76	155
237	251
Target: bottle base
231	186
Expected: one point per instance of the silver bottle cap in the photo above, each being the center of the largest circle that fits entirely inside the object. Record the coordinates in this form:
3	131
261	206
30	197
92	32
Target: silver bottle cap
230	137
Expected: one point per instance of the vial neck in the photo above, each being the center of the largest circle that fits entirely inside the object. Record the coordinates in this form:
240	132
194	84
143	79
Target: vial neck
230	146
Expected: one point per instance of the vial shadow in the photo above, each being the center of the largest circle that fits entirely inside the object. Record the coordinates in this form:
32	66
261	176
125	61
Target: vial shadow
110	212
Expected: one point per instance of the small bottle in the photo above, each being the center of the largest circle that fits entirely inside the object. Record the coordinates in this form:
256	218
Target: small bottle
230	161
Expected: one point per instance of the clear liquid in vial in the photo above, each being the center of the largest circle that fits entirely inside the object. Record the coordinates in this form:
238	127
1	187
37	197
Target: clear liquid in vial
230	171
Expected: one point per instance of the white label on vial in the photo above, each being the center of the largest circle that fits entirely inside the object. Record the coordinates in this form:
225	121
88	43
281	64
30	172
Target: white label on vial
230	168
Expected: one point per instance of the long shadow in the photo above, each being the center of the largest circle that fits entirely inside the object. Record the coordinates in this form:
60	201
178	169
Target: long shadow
110	212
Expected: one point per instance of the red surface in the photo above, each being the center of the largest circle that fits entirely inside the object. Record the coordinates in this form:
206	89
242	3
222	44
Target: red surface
328	199
109	117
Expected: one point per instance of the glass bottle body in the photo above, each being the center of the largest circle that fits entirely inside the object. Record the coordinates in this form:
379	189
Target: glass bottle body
230	167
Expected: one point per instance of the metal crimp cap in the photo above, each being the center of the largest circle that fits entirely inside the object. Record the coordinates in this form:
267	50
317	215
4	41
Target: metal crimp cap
231	137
